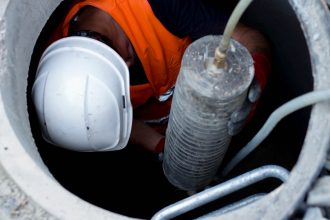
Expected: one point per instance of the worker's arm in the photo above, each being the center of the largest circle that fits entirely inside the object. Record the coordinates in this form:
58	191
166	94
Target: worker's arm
252	39
145	136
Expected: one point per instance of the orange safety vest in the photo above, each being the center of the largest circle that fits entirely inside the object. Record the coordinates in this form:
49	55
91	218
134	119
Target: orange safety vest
159	51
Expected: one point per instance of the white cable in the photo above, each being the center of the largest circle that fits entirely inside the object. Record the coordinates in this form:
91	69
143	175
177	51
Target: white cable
221	50
231	24
287	108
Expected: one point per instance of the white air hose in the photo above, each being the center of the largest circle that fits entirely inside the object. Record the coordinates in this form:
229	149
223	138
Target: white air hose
287	108
221	51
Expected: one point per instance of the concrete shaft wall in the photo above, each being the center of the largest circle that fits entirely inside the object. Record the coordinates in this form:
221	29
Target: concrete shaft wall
29	191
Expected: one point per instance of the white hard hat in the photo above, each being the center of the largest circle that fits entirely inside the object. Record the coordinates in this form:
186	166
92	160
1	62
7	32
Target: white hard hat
81	95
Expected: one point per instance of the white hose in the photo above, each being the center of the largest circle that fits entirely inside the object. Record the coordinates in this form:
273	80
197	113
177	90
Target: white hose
232	22
287	108
221	51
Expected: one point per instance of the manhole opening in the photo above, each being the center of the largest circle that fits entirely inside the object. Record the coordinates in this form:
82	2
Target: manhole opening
131	182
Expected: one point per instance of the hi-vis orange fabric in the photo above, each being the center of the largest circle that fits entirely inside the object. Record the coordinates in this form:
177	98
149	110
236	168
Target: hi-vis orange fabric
160	51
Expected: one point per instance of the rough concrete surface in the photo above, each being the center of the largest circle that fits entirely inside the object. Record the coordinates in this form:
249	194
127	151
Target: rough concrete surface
15	205
28	190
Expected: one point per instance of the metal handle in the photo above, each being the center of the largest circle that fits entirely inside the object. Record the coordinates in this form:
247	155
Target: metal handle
221	190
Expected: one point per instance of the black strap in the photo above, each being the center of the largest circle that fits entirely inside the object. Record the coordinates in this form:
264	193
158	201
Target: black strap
91	34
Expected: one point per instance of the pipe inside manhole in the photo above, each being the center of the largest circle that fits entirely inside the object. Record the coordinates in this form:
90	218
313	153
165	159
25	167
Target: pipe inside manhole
130	183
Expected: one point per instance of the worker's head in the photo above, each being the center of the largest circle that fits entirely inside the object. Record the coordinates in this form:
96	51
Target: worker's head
81	95
95	23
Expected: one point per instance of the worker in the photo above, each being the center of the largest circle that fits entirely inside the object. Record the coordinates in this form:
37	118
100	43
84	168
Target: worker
150	38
